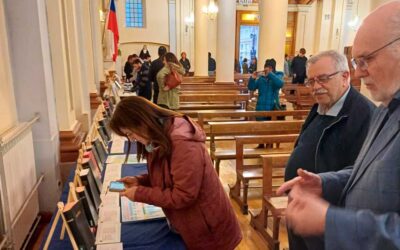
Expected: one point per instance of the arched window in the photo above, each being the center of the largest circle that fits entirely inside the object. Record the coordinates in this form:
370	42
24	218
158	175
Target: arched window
134	13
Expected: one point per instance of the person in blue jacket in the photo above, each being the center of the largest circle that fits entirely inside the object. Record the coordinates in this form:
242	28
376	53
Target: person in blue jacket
268	86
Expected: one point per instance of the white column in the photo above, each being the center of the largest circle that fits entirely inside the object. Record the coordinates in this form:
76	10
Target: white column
200	31
87	39
172	26
62	83
34	92
273	23
76	57
98	56
225	41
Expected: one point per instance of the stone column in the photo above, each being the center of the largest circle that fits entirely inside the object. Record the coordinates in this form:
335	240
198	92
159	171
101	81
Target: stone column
200	31
87	42
226	32
273	23
77	58
98	56
71	134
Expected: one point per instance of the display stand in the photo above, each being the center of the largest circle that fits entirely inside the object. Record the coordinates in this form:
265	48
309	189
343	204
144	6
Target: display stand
59	214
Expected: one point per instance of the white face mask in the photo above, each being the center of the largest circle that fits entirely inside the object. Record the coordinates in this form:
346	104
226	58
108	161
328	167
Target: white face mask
149	147
144	50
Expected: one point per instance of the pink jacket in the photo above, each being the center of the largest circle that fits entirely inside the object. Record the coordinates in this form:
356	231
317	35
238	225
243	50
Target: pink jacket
190	192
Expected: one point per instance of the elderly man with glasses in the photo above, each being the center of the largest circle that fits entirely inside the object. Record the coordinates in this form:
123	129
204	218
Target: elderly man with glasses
335	129
358	207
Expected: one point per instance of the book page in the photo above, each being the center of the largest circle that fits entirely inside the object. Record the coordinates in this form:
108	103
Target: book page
137	211
109	213
108	232
109	199
114	246
120	159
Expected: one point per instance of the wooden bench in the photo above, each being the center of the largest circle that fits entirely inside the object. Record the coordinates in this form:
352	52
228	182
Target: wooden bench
272	206
212	87
254	172
204	116
299	95
236	128
214	106
212	101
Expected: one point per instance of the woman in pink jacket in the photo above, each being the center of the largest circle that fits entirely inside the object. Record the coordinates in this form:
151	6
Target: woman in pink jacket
181	178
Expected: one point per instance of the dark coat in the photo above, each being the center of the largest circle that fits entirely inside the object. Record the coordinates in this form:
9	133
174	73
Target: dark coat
186	64
341	141
190	192
128	69
155	67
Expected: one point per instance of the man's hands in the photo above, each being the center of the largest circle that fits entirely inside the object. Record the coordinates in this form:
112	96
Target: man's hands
308	181
306	211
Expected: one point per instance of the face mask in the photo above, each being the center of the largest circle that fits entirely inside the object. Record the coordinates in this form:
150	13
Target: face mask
145	50
149	147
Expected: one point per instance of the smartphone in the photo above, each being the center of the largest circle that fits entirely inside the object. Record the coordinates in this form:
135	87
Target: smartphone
116	186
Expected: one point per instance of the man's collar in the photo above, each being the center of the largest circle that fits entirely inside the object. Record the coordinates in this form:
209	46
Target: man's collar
335	109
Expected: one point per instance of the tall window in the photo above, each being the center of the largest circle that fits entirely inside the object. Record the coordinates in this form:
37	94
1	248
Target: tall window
134	13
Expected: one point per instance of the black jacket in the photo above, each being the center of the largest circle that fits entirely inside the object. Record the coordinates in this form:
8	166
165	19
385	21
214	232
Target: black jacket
299	66
155	67
341	141
128	69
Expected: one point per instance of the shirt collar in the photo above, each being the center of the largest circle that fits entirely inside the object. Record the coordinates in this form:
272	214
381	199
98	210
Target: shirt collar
335	109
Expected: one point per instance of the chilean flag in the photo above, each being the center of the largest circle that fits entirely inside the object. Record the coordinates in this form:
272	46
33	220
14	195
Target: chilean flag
113	27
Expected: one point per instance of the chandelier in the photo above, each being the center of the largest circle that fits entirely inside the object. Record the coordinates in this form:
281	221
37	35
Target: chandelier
211	10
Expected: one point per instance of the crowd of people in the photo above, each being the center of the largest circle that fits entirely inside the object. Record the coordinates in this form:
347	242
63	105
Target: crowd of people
343	176
149	77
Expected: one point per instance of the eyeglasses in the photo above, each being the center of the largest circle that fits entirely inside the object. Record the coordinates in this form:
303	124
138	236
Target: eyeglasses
362	62
322	79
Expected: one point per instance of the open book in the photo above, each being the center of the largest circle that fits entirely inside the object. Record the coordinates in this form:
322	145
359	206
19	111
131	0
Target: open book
136	211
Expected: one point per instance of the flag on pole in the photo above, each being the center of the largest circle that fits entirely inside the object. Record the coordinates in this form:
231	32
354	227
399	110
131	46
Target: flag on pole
113	27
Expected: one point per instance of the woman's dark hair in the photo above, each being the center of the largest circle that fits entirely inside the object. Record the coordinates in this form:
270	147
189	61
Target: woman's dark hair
147	119
171	58
130	57
245	59
137	61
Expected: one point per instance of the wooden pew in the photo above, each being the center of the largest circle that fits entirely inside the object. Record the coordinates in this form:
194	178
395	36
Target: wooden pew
246	173
204	116
213	87
188	101
271	204
299	95
224	129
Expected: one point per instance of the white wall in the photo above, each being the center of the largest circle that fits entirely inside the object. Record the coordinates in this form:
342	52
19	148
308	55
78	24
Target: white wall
8	114
154	34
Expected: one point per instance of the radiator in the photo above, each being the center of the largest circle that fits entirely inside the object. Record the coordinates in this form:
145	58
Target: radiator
19	197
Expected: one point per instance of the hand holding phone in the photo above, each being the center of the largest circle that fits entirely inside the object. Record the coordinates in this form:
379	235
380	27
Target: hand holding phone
116	186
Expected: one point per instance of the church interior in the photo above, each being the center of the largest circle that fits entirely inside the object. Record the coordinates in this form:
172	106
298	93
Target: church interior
62	72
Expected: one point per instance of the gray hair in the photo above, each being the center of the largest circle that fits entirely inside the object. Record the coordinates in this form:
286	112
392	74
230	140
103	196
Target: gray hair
339	59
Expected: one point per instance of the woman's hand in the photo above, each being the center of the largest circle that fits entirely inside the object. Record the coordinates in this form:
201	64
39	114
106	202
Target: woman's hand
254	75
129	193
129	181
166	88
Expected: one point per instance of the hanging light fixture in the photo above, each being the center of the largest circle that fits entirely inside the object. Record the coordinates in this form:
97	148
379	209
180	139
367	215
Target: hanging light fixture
211	10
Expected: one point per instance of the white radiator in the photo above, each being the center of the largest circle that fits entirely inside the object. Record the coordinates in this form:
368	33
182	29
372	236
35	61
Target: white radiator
19	197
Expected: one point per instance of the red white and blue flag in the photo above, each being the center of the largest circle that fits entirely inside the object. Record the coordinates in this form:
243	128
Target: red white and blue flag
113	27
